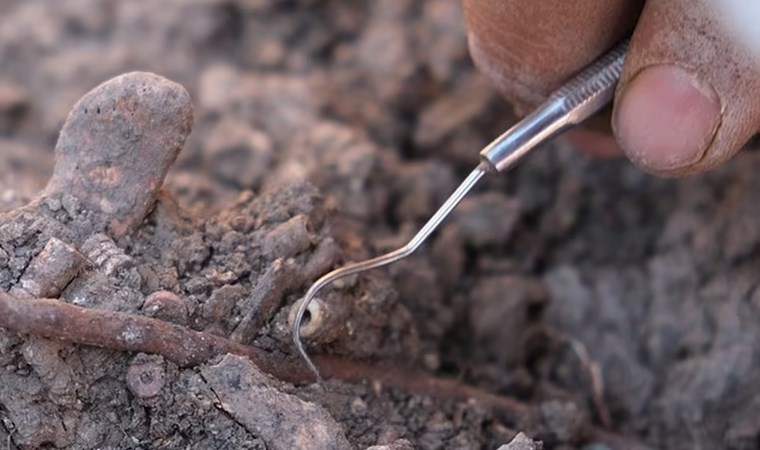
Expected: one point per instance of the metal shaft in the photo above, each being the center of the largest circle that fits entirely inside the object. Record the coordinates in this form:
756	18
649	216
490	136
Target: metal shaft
576	101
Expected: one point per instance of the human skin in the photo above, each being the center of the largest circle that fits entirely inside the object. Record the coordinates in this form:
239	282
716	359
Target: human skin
689	97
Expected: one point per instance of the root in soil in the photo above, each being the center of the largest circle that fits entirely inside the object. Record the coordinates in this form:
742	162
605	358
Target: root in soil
149	264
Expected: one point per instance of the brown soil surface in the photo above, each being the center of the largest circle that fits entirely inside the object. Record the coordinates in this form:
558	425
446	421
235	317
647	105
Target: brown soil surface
581	302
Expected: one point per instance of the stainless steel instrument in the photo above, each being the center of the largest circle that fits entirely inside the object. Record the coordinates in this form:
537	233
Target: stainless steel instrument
583	96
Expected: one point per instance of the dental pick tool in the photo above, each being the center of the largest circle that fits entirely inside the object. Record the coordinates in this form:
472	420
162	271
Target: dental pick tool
583	96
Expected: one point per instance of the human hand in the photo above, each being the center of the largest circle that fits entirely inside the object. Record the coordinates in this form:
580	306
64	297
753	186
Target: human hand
689	97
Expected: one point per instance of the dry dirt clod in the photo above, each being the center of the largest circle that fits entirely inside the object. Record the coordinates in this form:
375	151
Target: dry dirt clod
503	311
282	420
239	154
166	306
400	444
216	310
522	442
117	145
443	123
487	219
43	356
565	420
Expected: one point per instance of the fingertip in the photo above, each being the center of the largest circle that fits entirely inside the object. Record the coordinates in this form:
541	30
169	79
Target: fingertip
530	48
666	119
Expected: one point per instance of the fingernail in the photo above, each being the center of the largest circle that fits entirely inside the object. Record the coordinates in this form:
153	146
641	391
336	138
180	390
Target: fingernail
667	118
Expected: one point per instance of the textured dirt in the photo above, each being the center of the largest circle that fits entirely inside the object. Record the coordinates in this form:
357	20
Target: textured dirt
325	132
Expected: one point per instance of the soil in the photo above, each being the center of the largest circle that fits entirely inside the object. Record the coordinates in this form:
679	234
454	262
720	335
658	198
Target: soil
580	302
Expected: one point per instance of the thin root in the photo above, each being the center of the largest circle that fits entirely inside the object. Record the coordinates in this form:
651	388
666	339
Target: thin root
595	375
127	332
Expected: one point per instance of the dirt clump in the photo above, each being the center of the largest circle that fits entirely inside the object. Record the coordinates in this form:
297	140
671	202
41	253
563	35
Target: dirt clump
282	420
580	302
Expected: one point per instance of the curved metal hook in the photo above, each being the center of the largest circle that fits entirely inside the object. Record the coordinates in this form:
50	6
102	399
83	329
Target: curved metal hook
382	260
580	98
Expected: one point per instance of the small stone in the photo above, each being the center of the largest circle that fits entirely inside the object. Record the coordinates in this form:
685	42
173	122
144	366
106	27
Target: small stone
70	204
148	277
387	436
166	306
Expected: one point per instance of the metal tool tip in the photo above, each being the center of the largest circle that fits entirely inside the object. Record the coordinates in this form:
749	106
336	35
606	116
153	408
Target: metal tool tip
297	323
380	261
